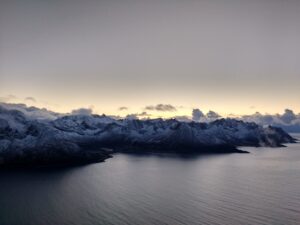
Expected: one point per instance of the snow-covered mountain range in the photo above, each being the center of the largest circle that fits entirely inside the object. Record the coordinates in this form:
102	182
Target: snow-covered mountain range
33	135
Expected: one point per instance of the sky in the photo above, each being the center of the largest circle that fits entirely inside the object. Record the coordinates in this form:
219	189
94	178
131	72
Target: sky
129	56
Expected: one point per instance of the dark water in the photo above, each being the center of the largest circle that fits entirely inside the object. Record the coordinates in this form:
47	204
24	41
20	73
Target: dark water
258	188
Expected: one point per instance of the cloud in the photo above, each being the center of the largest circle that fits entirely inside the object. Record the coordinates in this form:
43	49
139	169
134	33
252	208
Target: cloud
289	121
138	115
82	111
212	115
161	107
197	114
13	98
32	99
123	108
288	116
28	100
131	117
32	112
144	114
8	98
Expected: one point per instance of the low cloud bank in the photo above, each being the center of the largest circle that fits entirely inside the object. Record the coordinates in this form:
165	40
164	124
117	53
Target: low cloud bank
82	111
31	112
289	121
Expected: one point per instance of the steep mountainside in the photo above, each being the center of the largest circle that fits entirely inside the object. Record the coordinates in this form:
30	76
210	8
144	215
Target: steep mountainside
87	138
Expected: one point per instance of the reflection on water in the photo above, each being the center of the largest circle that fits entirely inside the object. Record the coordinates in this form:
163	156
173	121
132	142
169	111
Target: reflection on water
257	188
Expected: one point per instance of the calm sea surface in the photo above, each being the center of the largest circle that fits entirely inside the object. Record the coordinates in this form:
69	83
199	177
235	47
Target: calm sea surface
258	188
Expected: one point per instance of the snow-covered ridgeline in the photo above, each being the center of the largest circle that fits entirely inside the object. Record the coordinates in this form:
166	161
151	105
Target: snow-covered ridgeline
53	135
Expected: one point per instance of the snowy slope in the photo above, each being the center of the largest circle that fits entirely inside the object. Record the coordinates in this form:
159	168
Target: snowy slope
89	136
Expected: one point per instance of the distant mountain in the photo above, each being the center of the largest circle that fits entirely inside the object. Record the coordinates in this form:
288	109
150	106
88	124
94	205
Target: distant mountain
58	139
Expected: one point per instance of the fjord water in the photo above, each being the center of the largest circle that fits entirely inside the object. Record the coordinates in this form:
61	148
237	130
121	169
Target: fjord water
258	188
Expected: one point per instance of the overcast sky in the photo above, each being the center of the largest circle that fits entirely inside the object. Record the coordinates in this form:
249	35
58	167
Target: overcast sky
233	56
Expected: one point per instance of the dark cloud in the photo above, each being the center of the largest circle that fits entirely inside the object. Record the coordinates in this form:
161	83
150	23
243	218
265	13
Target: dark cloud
32	99
144	114
288	116
212	115
122	108
82	111
161	107
137	115
197	114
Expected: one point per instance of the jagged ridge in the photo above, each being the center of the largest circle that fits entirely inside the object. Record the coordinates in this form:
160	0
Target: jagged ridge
86	138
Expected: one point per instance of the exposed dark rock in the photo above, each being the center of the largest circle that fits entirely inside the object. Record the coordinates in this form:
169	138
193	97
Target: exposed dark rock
86	138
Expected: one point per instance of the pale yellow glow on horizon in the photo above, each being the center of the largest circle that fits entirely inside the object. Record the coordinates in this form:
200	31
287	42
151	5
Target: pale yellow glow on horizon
224	109
230	62
236	102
